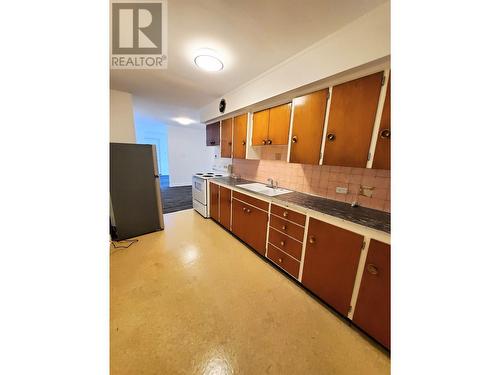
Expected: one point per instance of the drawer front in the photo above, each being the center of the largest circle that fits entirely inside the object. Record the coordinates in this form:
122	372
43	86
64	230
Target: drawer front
283	261
293	230
263	205
288	214
285	243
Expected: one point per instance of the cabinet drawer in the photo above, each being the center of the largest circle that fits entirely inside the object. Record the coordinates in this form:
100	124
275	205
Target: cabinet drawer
284	243
293	230
288	214
278	257
251	200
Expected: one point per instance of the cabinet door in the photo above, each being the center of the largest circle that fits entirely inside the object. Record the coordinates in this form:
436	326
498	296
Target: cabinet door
213	134
260	128
250	224
382	157
279	124
225	206
308	122
350	124
373	307
240	136
330	264
226	138
214	201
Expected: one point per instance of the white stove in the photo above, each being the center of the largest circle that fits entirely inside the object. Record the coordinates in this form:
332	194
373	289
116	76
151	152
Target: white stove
201	201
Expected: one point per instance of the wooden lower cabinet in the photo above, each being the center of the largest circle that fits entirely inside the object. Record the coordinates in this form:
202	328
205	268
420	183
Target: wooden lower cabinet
330	263
214	201
225	207
250	225
373	306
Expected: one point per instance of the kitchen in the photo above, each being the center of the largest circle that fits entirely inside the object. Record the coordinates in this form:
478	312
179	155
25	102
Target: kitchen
214	187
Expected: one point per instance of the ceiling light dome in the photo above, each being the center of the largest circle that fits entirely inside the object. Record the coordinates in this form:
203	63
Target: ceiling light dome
206	60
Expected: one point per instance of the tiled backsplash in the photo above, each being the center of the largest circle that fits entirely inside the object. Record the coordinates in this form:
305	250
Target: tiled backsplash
322	180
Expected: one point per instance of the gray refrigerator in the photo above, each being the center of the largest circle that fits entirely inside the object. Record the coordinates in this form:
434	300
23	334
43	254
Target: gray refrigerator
134	186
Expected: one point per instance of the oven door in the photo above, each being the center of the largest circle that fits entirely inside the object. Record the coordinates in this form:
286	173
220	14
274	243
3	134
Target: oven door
200	190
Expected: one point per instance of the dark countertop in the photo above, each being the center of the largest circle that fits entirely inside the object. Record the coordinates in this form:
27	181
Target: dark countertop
367	217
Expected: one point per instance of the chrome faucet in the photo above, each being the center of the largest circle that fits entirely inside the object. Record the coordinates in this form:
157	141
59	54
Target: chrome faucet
271	183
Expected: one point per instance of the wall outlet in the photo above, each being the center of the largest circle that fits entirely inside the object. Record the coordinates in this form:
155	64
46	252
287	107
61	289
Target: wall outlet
341	190
366	191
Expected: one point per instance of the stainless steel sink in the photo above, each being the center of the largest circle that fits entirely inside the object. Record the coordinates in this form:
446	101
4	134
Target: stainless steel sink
263	189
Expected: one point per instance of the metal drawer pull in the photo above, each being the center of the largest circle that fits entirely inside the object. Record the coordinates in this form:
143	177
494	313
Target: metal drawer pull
283	227
269	141
331	137
280	260
371	268
244	209
285	213
243	143
264	141
294	139
386	133
282	243
312	239
248	210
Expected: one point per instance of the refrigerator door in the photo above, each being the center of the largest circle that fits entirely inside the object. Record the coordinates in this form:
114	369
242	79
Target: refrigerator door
134	190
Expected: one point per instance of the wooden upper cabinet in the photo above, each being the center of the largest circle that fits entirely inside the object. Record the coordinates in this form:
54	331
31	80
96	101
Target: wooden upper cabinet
240	136
382	157
260	128
353	108
308	122
226	140
213	134
214	201
279	124
225	206
373	306
331	262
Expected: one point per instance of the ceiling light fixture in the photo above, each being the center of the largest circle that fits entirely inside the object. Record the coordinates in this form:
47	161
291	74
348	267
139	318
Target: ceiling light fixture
206	60
184	120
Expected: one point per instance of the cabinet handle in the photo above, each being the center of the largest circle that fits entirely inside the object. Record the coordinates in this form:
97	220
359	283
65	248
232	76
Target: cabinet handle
312	239
285	213
283	227
264	141
269	141
294	139
248	210
282	243
371	268
386	133
331	137
280	260
244	209
229	143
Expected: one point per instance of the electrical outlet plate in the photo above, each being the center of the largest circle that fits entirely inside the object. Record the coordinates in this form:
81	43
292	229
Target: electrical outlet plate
341	190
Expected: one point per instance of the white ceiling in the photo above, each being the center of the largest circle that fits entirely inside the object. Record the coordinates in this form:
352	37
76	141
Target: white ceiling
250	36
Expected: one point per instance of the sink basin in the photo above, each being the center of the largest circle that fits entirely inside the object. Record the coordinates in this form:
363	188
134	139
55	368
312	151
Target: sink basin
263	189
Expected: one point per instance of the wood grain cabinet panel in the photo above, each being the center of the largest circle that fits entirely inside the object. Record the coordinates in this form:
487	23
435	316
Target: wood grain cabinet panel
308	122
350	124
382	157
240	136
225	206
284	261
214	201
330	263
260	128
288	214
373	306
279	124
287	227
250	225
226	138
286	244
213	134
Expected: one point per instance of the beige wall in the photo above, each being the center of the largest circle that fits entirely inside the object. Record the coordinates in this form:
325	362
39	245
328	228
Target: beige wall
121	117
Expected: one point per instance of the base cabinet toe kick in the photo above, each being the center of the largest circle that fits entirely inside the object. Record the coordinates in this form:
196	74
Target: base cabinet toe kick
346	266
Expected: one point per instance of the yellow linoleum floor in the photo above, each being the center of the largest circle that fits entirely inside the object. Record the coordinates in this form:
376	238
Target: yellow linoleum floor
194	300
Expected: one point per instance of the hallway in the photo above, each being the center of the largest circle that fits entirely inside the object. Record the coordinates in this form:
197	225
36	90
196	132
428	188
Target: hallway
175	198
